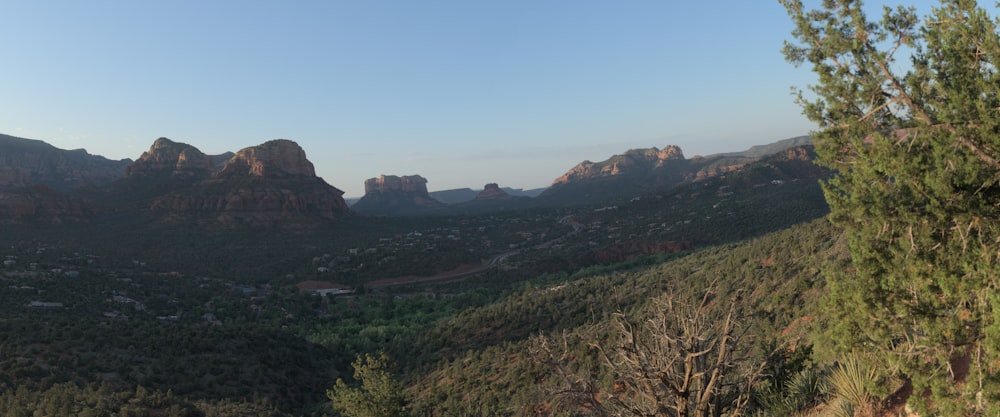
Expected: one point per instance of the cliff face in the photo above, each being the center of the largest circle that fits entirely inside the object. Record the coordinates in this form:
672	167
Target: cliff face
27	162
391	183
266	184
634	161
171	158
390	194
273	159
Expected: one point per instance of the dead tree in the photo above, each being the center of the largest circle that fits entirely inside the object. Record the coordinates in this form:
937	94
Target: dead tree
690	358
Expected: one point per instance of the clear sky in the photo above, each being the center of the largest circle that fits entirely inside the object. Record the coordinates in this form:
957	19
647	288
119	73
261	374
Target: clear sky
462	92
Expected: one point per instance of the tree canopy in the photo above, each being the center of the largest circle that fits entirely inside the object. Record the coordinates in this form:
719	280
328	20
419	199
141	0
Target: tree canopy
380	395
908	113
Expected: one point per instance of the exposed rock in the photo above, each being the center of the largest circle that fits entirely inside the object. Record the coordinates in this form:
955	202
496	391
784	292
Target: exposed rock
173	158
634	161
641	171
268	184
28	162
492	191
406	184
390	194
276	158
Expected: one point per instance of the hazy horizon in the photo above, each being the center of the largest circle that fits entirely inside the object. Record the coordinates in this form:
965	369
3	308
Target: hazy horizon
461	93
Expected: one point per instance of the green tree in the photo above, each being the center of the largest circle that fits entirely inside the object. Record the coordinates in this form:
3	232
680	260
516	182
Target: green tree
915	143
380	395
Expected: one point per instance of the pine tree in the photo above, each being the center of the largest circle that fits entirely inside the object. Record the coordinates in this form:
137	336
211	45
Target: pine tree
380	395
915	143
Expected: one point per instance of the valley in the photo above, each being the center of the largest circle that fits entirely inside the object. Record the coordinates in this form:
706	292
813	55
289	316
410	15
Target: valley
188	313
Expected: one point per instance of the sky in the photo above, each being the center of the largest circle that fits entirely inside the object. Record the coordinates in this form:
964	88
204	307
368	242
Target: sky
461	92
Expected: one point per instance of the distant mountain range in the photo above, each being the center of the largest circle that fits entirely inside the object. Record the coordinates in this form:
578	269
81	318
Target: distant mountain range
275	184
27	162
640	171
267	184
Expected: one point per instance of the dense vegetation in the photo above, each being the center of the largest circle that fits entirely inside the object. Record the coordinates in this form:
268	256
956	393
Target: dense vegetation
917	150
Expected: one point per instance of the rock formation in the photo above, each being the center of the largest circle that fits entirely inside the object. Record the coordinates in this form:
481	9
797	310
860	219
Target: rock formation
641	171
266	184
28	162
276	158
634	161
390	194
173	158
492	191
386	183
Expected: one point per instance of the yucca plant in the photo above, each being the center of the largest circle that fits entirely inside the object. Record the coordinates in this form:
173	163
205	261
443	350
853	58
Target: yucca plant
806	389
849	380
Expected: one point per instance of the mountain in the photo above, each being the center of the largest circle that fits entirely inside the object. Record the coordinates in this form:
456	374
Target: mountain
29	162
166	157
758	151
640	171
267	184
491	192
458	195
391	194
462	195
636	171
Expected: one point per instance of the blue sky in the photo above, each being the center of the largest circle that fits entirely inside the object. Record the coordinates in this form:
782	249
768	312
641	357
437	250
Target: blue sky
461	92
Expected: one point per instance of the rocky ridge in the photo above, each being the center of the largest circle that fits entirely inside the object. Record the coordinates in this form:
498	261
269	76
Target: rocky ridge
29	162
639	171
166	157
633	161
261	185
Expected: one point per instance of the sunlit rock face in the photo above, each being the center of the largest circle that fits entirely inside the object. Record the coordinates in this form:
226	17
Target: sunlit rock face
406	184
391	194
632	161
276	158
168	157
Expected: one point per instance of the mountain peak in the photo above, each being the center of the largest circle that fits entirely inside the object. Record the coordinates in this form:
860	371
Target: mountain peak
167	156
633	161
275	158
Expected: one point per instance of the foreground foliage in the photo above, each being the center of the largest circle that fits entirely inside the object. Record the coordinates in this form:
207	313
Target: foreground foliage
917	192
380	395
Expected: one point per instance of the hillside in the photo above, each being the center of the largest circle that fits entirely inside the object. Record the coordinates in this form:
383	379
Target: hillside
485	362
